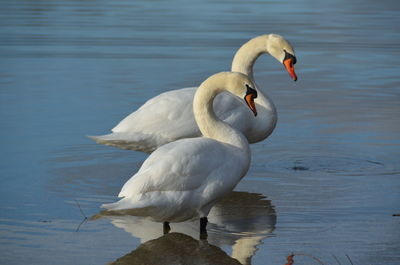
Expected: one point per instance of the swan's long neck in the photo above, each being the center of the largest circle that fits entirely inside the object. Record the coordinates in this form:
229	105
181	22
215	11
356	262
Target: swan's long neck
209	124
245	57
243	62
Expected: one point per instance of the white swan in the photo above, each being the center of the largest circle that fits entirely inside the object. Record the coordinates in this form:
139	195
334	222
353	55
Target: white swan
168	116
184	179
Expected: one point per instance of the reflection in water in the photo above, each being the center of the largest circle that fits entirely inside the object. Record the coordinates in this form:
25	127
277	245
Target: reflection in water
176	248
241	220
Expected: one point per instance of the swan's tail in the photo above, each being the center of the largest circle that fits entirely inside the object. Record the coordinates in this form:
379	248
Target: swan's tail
108	139
123	204
123	141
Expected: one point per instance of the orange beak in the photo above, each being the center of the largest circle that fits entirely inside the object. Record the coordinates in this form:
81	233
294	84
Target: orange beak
290	68
249	98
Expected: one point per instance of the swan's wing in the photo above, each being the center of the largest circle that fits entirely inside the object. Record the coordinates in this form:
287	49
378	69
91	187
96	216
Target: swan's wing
183	165
163	115
169	117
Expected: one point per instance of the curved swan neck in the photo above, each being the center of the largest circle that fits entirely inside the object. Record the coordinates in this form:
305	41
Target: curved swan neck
248	53
243	62
209	124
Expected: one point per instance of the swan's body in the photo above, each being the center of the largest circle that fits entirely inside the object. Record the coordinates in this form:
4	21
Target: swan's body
168	116
184	179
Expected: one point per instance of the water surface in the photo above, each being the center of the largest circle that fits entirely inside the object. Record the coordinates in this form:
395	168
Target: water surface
325	183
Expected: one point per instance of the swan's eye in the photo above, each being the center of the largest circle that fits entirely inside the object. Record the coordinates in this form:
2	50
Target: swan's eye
251	90
289	56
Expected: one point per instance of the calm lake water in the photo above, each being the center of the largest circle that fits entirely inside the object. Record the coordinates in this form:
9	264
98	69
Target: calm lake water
326	183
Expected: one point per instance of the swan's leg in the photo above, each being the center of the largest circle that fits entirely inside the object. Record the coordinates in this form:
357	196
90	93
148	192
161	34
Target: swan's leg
166	228
203	229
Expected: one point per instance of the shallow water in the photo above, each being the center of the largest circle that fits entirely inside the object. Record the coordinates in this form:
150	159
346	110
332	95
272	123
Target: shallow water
329	172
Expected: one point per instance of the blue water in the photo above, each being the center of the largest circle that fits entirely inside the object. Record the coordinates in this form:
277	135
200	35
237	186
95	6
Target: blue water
330	171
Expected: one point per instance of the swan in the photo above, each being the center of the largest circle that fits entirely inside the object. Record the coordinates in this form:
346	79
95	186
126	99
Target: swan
182	180
168	116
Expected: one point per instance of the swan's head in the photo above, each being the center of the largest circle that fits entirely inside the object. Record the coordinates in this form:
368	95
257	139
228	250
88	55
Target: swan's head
240	85
251	94
281	49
